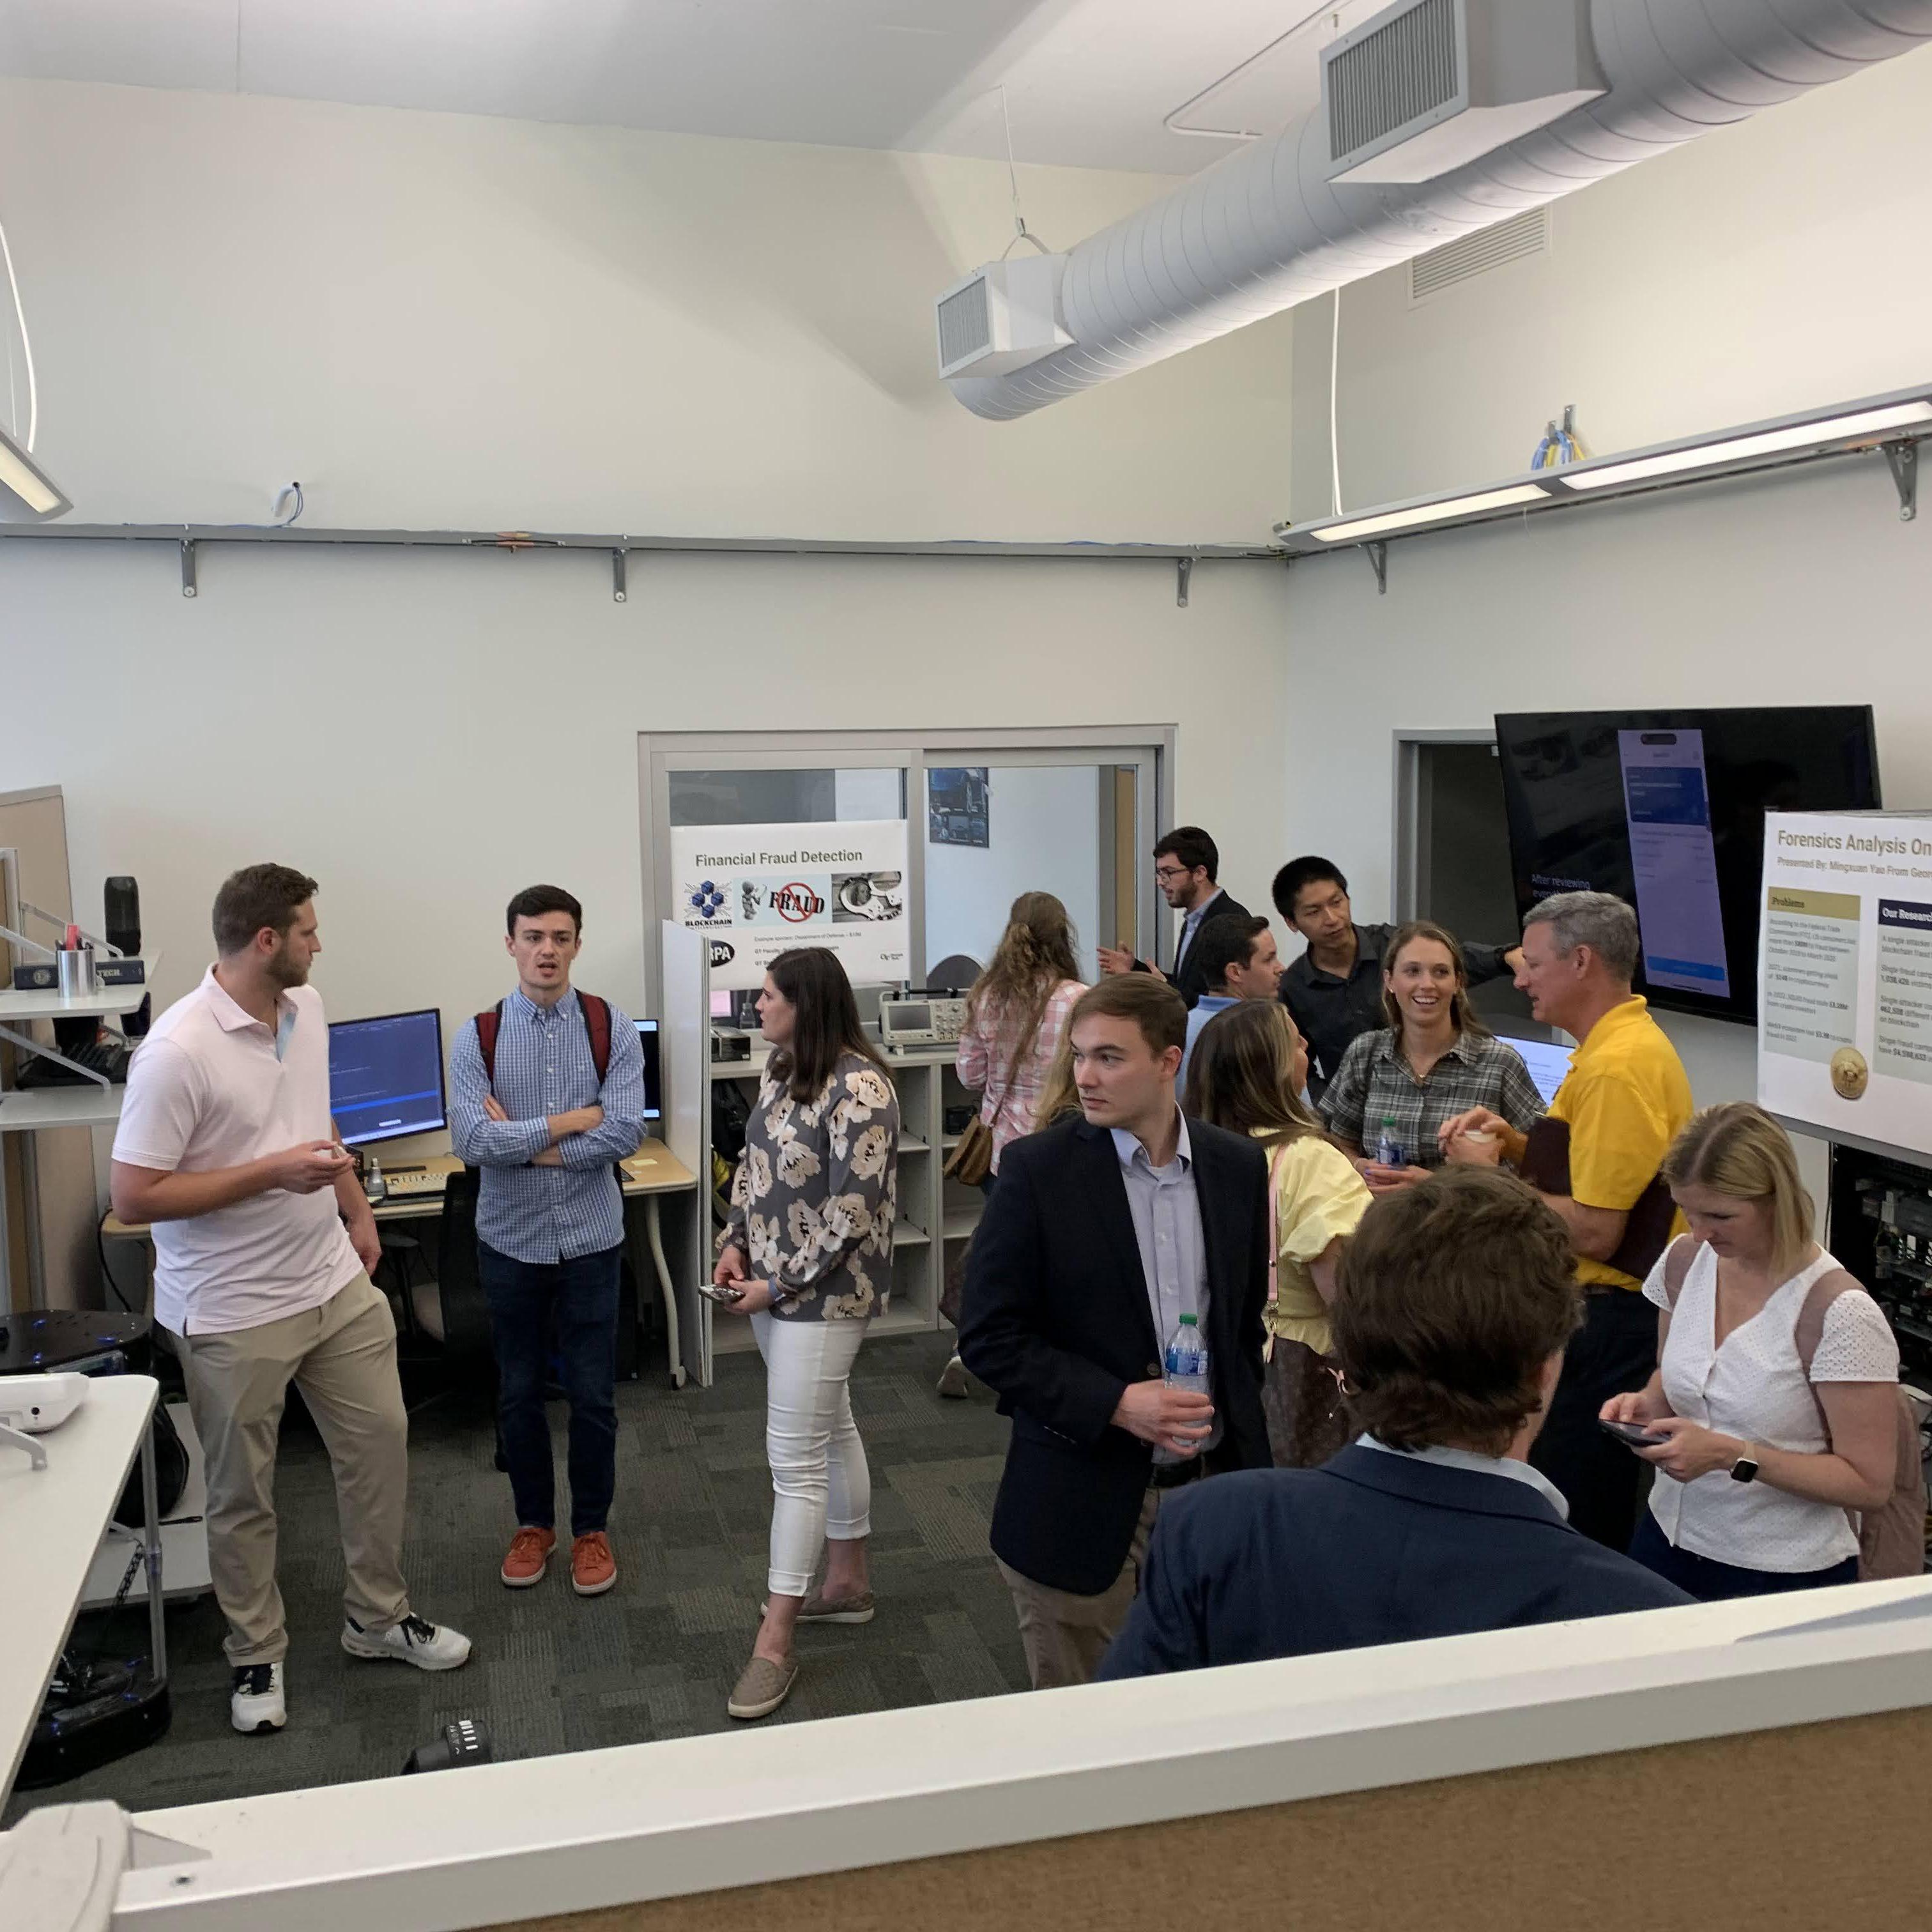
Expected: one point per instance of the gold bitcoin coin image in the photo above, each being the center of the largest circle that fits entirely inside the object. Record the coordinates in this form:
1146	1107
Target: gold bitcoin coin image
1850	1075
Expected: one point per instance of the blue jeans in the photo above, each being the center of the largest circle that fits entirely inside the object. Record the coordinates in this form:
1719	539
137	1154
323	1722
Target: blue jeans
1710	1581
581	1294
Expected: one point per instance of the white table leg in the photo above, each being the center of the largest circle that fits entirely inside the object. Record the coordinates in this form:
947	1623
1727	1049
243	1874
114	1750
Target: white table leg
673	1344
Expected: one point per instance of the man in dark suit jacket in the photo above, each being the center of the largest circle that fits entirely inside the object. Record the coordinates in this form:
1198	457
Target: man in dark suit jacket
1186	863
1433	1522
1099	1234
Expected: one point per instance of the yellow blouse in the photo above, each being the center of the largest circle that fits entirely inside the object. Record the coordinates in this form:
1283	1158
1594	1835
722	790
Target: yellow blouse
1318	1195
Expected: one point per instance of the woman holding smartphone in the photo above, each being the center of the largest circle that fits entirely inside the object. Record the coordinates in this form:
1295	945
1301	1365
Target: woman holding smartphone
808	1256
1774	1407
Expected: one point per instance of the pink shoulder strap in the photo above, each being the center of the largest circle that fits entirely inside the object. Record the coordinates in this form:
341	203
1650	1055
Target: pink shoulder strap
1677	1260
1809	1329
1274	1219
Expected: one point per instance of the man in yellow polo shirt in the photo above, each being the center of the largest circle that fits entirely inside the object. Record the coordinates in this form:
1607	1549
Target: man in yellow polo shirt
1595	1159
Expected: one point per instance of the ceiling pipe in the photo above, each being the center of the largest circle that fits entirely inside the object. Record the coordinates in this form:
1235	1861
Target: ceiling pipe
1265	229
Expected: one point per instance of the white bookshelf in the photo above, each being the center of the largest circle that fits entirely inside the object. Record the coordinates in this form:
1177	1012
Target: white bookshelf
935	1215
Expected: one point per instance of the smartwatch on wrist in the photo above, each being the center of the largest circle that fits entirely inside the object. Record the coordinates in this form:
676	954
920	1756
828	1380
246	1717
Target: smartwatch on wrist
1744	1469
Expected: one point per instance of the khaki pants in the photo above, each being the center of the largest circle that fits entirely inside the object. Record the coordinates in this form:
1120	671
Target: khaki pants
1065	1636
342	1356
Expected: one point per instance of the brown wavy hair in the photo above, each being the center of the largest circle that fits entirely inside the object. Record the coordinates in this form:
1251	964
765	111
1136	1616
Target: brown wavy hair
1241	1076
1034	956
1449	1299
1460	1012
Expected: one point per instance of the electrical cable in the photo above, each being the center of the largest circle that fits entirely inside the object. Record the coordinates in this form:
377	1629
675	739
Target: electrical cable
288	489
1020	232
26	347
107	1273
1334	413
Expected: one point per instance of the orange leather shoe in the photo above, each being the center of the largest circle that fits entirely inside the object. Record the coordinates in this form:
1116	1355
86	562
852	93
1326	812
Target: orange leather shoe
529	1557
592	1568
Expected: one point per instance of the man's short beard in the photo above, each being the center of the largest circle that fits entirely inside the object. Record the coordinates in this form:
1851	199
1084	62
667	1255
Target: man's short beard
283	971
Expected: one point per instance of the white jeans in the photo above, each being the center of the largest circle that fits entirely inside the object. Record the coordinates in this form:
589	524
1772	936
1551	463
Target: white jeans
820	1485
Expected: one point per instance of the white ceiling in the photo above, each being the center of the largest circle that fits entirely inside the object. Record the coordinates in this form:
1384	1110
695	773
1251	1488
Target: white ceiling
1089	83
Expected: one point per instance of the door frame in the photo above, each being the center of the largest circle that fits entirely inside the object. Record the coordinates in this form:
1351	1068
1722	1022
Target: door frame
661	753
1409	815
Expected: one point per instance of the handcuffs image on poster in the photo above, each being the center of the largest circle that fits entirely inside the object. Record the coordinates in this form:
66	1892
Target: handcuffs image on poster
759	890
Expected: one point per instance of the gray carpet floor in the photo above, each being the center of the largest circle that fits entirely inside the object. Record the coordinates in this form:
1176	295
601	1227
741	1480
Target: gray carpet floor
656	1656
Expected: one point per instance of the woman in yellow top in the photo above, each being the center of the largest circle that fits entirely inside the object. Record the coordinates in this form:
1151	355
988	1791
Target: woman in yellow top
1247	1074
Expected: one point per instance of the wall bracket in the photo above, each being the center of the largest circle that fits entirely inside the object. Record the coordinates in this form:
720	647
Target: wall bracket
1377	554
620	590
1183	573
190	587
1903	459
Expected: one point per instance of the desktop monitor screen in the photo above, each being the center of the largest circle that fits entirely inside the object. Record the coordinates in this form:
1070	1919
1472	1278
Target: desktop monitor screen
1547	1063
647	1039
386	1076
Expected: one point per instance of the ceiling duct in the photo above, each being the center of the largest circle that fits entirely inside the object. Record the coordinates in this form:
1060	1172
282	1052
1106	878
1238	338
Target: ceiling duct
1428	85
1267	228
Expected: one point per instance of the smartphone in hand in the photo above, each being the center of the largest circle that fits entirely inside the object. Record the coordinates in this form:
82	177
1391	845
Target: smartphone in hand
728	1292
1632	1435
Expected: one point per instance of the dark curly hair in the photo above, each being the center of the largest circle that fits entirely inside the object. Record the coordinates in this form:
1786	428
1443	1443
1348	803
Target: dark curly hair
1450	1298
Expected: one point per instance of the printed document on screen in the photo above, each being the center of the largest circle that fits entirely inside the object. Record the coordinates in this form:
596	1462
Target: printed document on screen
1667	805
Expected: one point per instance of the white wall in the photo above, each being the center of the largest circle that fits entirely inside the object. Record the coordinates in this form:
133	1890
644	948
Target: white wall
1044	825
1769	267
444	321
427	733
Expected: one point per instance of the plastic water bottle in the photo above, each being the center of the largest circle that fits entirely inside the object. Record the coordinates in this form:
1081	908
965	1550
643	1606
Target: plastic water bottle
1390	1151
1187	1358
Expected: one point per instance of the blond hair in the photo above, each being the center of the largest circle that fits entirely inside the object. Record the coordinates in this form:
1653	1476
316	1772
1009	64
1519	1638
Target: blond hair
1035	955
1058	1096
1739	1151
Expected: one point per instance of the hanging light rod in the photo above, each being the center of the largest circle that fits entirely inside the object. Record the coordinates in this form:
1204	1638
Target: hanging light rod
1895	423
27	493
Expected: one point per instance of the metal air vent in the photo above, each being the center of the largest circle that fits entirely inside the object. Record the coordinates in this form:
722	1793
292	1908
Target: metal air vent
1393	76
965	329
1468	255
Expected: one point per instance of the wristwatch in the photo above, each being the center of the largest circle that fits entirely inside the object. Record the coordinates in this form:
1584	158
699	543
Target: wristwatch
1744	1469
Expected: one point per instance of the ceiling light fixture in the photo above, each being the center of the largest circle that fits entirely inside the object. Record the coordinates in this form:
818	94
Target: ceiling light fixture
27	493
1895	424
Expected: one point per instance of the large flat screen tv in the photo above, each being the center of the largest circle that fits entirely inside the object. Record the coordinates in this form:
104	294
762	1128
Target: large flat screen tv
1665	809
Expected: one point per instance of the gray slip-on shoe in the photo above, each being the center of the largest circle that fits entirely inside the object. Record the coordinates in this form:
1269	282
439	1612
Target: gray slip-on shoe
762	1686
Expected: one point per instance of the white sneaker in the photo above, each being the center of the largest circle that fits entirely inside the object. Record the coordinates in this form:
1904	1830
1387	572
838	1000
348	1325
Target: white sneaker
256	1704
428	1646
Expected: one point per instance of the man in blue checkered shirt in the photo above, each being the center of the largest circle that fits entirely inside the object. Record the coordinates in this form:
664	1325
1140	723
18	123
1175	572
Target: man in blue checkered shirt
549	1227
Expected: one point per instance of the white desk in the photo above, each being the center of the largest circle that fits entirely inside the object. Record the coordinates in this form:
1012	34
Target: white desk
51	1522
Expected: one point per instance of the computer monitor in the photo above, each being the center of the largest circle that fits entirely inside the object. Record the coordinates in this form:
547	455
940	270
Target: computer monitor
1547	1062
386	1076
721	1003
647	1040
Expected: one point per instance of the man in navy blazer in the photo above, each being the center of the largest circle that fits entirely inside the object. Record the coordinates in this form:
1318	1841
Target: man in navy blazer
1100	1233
1455	1302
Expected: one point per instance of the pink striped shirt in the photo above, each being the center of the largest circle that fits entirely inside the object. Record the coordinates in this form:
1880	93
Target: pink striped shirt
986	1049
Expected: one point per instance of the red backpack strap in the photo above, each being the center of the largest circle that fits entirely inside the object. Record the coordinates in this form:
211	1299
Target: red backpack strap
597	1024
488	1026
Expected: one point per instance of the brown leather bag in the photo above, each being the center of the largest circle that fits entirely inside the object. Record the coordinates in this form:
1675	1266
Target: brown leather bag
971	1160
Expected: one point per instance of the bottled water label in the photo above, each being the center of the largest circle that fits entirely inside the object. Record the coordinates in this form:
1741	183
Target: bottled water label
1187	1359
1390	1152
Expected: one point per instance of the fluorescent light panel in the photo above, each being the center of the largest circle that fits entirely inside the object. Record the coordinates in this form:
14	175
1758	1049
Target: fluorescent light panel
1448	511
26	493
1849	428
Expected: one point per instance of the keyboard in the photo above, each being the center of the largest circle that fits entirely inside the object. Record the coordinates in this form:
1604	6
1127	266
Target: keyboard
109	1057
404	1186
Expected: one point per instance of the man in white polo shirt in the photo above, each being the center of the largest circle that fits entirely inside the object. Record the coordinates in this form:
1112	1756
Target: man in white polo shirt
227	1147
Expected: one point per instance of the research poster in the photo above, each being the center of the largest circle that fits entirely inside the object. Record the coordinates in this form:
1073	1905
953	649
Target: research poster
758	890
1845	974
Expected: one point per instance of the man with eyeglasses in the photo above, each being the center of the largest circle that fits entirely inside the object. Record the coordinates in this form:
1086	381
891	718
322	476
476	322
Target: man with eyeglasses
1185	863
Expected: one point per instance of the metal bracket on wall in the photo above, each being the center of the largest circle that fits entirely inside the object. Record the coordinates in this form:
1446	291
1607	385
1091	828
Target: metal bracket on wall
620	589
1903	458
1184	572
189	587
1377	554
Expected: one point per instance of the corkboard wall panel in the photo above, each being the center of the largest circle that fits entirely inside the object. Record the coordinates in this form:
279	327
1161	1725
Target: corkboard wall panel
1784	1830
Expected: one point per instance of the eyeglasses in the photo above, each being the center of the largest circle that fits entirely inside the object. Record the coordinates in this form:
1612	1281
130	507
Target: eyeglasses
1167	875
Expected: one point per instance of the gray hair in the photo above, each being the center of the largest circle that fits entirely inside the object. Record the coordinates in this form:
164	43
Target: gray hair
1601	921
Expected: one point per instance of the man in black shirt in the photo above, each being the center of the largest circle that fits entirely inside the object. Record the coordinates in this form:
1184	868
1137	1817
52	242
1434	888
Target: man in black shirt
1334	990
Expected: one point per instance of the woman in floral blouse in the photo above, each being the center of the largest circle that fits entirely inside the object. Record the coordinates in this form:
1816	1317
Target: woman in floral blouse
809	1251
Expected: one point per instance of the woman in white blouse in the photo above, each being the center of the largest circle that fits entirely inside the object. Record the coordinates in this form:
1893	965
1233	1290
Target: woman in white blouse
1764	1457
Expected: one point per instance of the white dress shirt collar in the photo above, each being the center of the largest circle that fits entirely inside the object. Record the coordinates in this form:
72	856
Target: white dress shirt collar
1481	1465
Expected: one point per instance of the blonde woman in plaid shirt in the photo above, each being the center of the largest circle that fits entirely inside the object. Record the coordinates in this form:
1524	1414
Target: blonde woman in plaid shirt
1015	1015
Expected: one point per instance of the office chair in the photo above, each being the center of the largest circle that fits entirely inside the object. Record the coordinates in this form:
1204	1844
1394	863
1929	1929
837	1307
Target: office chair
956	973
